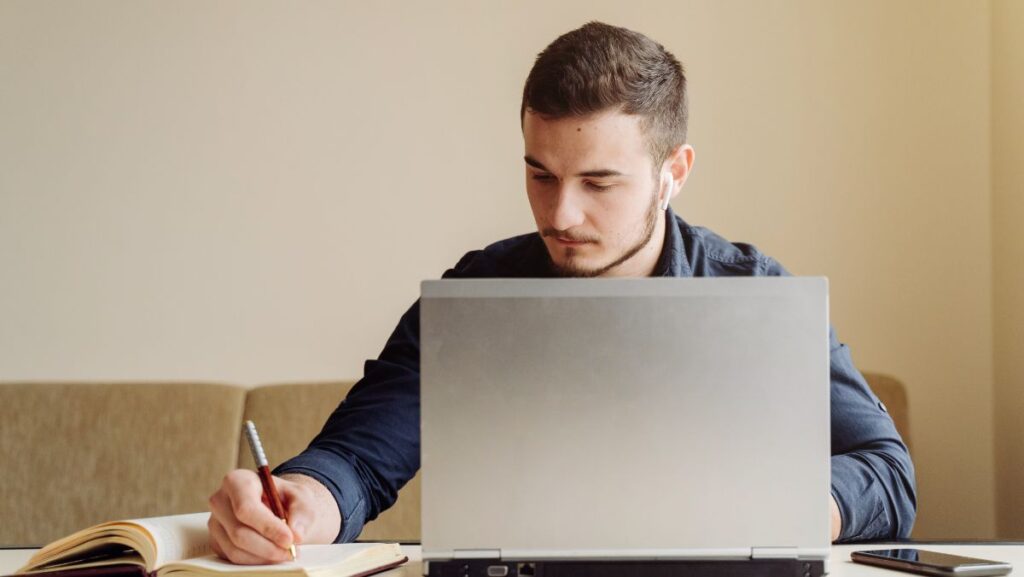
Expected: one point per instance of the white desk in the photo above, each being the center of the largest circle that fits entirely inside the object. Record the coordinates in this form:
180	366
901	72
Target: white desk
840	564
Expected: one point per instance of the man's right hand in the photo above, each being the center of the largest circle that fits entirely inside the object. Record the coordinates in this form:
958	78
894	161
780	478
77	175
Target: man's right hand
245	531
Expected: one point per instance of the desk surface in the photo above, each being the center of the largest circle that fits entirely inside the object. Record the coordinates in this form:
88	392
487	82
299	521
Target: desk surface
840	564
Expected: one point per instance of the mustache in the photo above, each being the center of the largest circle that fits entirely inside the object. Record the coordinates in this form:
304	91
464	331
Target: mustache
564	234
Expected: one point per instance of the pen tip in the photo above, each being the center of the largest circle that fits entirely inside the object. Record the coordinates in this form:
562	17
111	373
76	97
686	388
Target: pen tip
292	549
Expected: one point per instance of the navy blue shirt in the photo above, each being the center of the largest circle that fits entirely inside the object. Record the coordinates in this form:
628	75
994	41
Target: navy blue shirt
370	446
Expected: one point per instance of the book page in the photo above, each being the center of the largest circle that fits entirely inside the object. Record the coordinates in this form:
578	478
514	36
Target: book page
149	542
314	560
177	537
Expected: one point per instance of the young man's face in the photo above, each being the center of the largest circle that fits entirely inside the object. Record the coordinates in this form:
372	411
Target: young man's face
594	194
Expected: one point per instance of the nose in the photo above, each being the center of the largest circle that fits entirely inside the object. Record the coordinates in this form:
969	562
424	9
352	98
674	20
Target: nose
567	211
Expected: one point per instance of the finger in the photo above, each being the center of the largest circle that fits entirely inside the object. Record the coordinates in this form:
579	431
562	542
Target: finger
237	536
245	493
245	538
229	551
213	537
242	536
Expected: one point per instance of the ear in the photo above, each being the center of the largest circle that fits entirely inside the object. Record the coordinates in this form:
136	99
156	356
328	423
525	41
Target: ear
679	163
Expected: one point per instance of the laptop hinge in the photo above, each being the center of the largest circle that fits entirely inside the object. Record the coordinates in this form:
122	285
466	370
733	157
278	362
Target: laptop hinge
774	553
477	554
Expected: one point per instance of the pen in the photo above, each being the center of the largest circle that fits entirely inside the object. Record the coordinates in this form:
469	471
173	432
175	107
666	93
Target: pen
263	469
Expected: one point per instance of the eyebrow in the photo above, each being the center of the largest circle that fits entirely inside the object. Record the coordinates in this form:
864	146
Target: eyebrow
601	173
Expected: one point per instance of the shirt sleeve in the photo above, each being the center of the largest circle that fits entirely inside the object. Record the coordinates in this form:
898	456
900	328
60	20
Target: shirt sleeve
872	474
370	446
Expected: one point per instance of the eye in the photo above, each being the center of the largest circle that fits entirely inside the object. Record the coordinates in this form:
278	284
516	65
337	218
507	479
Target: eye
598	187
541	177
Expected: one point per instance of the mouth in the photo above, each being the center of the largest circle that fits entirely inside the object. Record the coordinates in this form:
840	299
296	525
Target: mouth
569	242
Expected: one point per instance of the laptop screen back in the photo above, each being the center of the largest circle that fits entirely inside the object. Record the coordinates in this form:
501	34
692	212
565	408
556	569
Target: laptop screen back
617	418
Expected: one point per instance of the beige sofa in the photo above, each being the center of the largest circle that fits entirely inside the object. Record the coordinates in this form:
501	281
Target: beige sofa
76	454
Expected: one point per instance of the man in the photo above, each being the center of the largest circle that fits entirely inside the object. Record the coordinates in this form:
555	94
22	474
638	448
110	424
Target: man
604	116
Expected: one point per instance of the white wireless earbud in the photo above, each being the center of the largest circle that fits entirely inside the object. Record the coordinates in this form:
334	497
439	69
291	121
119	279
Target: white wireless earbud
666	187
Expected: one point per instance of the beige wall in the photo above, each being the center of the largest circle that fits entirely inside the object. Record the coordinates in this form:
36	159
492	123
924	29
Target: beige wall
251	191
1008	258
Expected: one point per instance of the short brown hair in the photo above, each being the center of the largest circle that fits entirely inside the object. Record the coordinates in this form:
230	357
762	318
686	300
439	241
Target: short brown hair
597	67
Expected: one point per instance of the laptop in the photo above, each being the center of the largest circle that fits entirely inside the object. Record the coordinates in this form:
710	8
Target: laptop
645	427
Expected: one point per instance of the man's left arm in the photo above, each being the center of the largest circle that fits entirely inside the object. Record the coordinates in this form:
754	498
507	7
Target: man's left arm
873	486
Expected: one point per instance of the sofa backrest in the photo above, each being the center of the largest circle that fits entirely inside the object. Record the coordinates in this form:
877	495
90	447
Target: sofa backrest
77	454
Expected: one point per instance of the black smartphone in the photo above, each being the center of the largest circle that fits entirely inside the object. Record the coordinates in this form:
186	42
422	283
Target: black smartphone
931	563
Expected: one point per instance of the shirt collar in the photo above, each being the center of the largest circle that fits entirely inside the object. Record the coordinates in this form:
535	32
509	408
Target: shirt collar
673	261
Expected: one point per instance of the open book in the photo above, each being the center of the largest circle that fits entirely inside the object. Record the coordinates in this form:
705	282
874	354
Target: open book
178	546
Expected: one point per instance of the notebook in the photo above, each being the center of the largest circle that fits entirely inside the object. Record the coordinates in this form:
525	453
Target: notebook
656	426
179	546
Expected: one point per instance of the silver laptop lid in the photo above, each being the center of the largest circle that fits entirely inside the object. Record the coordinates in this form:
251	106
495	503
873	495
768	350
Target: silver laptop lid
625	418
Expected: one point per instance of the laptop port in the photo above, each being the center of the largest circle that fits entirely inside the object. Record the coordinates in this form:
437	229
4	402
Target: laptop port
526	569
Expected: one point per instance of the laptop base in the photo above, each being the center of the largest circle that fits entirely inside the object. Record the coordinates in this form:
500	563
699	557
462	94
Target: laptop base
609	568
